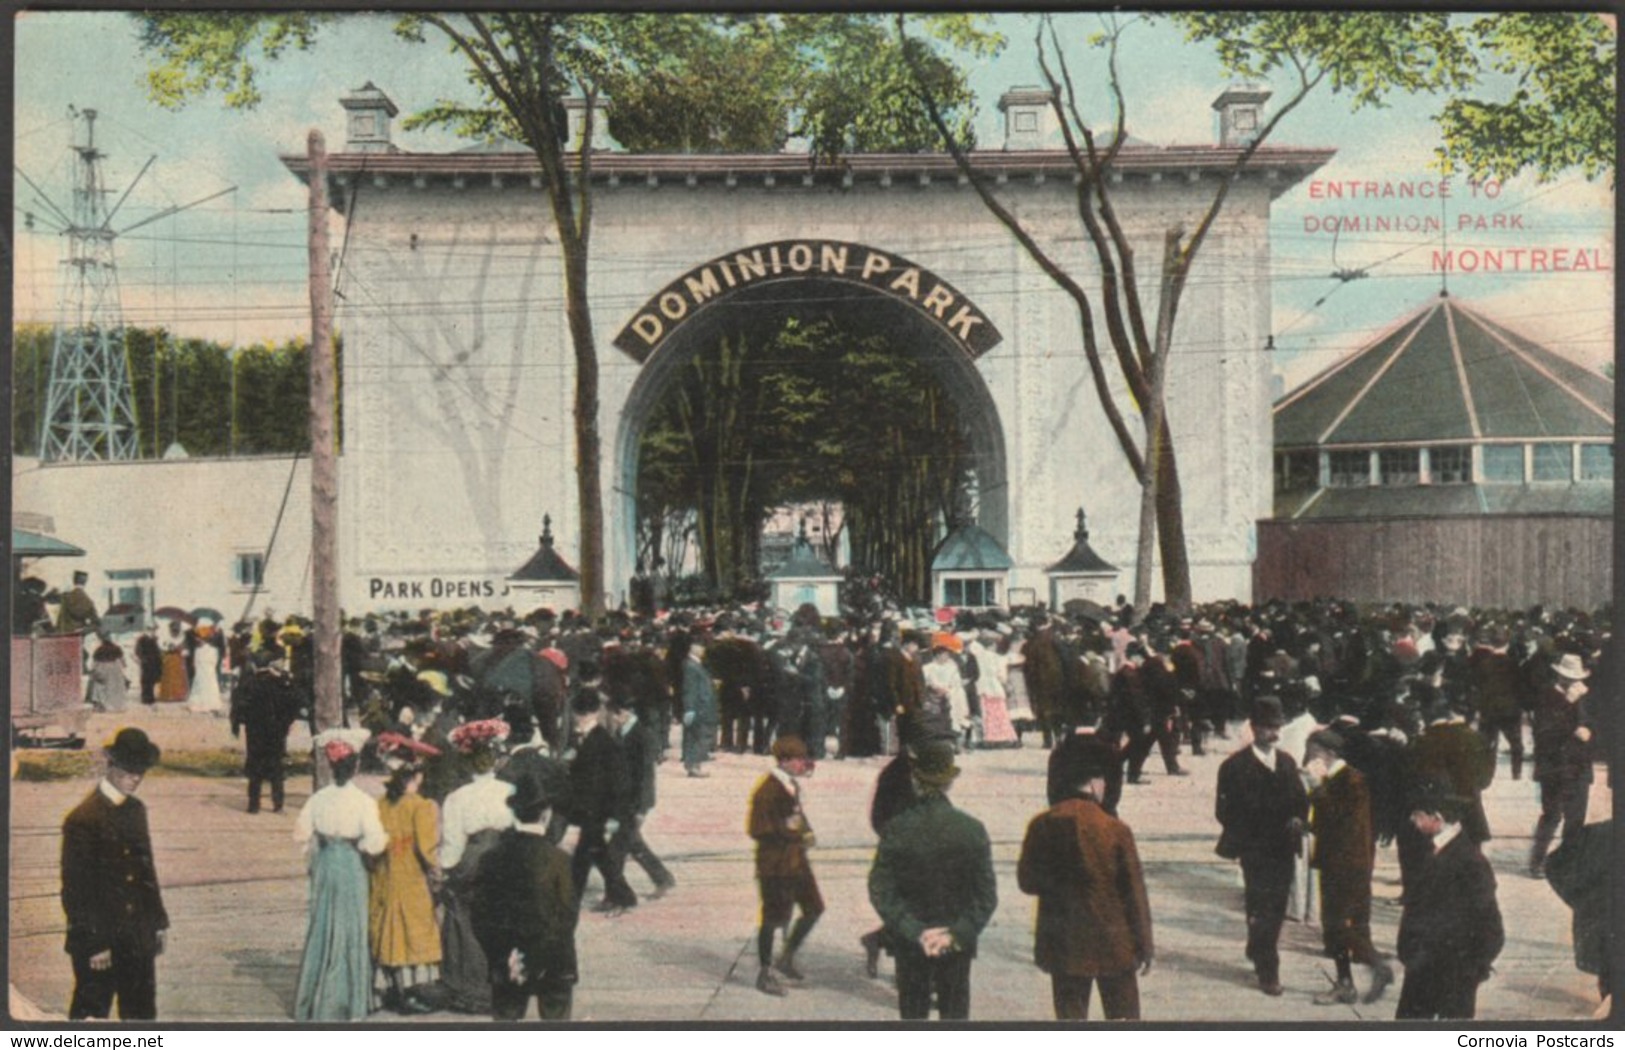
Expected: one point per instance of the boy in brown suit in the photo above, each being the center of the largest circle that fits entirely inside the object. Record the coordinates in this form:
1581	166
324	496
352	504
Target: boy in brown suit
783	874
1093	920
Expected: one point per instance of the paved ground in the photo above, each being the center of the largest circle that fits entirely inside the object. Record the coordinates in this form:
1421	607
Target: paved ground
235	888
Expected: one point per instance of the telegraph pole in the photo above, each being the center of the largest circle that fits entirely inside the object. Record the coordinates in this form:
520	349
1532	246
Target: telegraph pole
329	699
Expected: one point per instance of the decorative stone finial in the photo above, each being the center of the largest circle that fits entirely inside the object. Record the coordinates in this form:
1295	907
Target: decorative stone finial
547	530
1082	531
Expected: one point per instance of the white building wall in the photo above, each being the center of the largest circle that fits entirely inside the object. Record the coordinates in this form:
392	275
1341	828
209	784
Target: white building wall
185	520
459	380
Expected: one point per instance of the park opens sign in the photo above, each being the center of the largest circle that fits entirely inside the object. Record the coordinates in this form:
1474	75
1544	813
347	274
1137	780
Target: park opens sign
939	302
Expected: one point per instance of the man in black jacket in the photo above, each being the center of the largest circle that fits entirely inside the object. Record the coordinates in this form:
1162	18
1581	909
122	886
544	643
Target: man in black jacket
1262	807
1450	931
266	704
601	802
642	750
116	917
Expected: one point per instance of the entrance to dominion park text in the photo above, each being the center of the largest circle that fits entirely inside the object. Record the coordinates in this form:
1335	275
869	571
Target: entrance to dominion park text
834	376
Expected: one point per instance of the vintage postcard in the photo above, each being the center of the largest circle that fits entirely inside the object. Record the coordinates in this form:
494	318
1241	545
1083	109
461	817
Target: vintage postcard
485	488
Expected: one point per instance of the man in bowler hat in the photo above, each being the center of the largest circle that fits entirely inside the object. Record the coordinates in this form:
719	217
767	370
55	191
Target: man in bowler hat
932	884
1262	807
116	917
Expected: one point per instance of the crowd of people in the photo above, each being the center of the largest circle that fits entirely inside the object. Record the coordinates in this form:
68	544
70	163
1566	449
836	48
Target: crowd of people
1351	730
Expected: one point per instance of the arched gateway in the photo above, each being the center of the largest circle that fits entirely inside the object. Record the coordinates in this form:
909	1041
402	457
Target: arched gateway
458	368
925	315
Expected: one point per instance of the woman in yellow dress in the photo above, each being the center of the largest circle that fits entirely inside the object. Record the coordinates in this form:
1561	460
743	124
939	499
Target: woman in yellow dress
402	929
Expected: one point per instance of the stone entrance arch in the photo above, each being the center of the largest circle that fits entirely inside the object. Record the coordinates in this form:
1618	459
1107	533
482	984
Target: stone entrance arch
922	314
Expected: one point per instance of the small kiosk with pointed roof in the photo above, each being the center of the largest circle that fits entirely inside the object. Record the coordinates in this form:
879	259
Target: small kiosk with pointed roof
971	569
806	578
546	579
1082	573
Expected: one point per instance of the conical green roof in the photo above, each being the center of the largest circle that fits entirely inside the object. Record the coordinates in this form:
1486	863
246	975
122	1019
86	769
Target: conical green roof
1446	373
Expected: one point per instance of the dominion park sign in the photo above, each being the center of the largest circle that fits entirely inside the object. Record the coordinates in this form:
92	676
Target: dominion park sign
938	301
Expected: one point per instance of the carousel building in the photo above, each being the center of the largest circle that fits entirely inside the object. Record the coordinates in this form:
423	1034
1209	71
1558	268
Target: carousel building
1452	459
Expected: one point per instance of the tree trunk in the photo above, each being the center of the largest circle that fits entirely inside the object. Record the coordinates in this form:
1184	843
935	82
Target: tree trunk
1176	566
588	453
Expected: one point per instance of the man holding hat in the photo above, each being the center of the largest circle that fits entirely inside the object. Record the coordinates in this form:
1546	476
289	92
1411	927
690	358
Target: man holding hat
115	913
1345	853
1450	931
1261	806
933	886
1563	731
1094	923
784	876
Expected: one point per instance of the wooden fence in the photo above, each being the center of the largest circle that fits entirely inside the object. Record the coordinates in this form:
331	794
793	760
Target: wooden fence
1503	561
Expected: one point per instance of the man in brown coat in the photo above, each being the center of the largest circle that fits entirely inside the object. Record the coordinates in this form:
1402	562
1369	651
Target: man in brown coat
1345	851
1093	920
783	873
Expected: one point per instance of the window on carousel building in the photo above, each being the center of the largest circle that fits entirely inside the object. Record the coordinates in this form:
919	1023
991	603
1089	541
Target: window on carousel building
1297	471
1399	466
1503	464
1596	463
1553	462
1450	464
1350	470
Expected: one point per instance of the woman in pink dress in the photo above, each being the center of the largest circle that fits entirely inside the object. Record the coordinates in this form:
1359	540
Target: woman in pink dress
992	672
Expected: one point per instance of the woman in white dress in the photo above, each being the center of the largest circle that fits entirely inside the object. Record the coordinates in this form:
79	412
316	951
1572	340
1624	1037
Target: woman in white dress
338	825
204	696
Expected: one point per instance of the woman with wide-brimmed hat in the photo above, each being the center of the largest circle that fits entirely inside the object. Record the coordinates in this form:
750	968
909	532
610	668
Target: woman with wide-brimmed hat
401	925
338	825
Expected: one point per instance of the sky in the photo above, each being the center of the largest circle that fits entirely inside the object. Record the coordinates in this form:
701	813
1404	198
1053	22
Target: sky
233	269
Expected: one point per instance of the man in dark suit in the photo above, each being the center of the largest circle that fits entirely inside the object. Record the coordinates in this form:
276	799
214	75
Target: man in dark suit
642	752
601	804
932	885
115	913
1345	853
1450	931
1094	923
784	876
1262	806
1563	733
525	913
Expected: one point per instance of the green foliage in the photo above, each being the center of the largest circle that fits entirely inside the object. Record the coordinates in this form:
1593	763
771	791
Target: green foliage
183	392
686	83
1365	54
203	53
817	407
1529	91
1559	115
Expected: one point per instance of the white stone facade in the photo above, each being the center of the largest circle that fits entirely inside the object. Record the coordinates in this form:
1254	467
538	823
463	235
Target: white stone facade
458	368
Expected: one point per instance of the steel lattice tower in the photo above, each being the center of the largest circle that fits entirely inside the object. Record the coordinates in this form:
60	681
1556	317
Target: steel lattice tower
89	405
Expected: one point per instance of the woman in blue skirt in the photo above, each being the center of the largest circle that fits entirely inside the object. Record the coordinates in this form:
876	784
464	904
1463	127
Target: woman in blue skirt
338	825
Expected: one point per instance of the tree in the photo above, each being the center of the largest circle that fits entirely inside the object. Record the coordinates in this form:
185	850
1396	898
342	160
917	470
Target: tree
523	65
1364	54
1559	113
808	407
